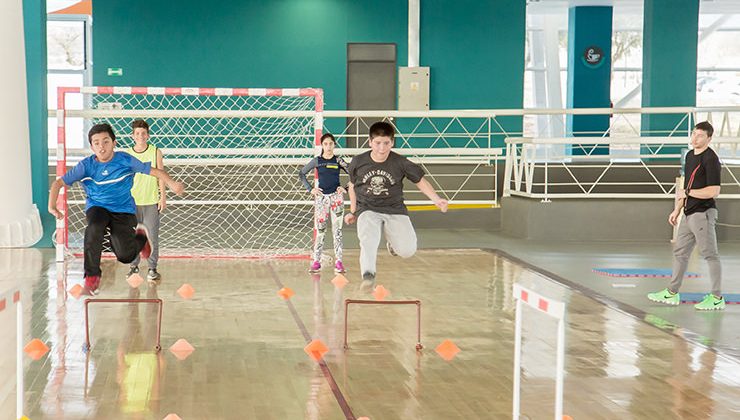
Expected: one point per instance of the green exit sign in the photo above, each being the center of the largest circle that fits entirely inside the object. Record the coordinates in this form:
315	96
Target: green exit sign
115	71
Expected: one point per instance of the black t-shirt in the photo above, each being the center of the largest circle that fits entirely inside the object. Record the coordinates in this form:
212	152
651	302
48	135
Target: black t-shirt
701	171
379	185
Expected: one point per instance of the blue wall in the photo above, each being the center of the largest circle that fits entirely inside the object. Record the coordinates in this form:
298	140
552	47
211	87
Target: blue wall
475	49
34	27
669	54
589	83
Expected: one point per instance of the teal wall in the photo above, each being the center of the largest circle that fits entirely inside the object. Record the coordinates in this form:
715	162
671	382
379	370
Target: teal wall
34	26
669	61
589	84
475	49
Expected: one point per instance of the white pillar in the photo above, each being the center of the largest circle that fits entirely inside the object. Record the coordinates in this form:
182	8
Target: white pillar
20	224
414	13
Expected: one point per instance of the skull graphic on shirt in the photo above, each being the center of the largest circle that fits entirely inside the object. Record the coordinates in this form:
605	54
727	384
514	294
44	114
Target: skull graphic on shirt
377	186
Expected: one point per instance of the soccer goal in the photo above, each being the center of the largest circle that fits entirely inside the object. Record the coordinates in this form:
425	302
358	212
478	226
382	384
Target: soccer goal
237	150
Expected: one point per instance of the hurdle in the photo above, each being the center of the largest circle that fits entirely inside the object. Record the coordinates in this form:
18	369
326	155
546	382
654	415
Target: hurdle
13	296
347	302
551	308
157	348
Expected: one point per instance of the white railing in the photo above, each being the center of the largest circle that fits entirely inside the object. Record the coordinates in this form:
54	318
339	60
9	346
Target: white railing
460	149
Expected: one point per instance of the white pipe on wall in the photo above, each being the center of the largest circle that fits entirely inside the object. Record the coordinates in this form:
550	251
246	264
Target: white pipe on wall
20	224
414	13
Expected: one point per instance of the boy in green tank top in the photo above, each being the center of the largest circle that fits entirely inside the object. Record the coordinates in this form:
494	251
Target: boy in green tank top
149	194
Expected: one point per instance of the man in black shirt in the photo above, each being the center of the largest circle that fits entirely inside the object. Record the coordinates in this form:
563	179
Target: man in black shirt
376	200
701	186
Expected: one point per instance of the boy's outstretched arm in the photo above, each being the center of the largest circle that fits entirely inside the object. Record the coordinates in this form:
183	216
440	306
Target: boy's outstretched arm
350	217
53	195
424	186
176	186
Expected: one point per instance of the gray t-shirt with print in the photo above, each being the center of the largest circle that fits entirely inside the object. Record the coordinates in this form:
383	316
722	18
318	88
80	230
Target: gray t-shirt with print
379	185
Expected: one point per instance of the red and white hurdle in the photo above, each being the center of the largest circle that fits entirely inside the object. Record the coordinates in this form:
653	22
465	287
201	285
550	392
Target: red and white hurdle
553	309
7	298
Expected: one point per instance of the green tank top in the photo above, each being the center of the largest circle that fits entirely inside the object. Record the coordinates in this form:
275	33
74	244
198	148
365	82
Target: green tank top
146	187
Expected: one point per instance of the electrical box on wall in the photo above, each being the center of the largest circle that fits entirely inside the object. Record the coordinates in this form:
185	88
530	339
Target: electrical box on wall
413	88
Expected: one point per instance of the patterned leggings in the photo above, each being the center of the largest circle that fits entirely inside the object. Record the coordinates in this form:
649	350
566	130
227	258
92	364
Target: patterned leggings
325	206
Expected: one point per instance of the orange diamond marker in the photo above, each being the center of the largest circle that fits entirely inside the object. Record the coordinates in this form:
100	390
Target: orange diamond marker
36	349
339	281
135	280
447	350
76	291
286	293
172	416
316	349
380	292
186	291
182	349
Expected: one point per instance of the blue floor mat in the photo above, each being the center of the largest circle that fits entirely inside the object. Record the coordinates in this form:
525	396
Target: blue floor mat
640	272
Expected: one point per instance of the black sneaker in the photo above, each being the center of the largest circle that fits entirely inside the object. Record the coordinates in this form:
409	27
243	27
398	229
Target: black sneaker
134	270
368	282
153	275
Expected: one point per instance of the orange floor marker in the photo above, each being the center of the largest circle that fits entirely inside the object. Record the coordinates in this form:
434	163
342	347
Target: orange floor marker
316	349
182	349
286	293
135	280
36	349
447	350
172	416
186	291
339	281
380	292
567	417
363	418
76	291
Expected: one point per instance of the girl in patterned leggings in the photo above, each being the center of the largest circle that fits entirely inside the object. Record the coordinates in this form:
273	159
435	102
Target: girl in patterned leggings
329	200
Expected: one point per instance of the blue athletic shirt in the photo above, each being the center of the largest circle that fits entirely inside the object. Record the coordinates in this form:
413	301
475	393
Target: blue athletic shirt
108	185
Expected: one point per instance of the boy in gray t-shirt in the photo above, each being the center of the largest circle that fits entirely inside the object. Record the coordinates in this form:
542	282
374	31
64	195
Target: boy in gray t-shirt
376	200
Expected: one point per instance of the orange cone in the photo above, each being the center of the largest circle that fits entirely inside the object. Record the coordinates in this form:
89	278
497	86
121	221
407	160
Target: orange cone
76	291
339	281
172	416
380	292
186	291
567	417
316	349
182	349
135	280
36	349
363	418
447	350
286	293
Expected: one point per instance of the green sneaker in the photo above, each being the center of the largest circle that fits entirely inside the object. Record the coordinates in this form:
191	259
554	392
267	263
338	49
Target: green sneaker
711	303
665	296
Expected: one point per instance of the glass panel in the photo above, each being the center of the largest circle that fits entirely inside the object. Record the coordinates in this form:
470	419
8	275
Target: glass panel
65	43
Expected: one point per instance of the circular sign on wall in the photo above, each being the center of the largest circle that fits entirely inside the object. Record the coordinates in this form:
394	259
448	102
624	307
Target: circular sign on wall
593	56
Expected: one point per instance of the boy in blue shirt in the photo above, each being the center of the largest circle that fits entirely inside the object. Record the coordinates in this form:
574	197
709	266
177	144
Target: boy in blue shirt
107	177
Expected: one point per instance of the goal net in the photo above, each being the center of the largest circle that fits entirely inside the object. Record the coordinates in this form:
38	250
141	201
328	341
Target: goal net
237	151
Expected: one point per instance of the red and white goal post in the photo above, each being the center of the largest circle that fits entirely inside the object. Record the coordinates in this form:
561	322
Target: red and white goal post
236	150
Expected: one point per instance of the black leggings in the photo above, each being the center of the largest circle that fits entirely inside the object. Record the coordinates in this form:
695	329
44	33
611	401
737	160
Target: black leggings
126	245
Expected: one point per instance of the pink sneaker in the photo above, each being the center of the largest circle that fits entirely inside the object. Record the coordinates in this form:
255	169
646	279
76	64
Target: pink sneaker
339	267
92	283
146	250
315	267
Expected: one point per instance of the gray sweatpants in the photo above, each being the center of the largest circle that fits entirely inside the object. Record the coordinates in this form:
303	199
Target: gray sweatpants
697	229
149	216
398	232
